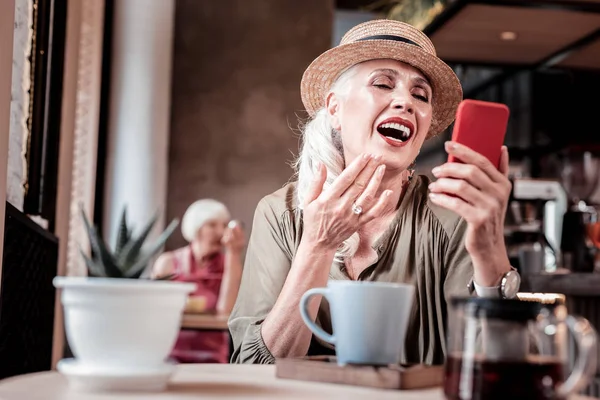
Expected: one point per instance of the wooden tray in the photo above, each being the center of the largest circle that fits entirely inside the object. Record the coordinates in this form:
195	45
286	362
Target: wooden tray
325	369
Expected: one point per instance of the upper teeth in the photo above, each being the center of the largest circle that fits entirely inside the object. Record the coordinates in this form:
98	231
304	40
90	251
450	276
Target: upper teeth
397	126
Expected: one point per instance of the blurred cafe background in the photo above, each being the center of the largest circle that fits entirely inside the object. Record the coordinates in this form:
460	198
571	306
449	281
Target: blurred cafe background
154	104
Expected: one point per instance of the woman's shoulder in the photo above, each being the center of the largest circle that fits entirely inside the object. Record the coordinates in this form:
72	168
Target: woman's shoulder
180	253
278	216
282	201
446	219
167	263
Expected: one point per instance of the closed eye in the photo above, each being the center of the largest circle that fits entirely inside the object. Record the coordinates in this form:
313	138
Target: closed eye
383	86
421	97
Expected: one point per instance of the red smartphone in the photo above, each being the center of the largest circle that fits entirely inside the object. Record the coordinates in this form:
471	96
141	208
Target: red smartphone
481	126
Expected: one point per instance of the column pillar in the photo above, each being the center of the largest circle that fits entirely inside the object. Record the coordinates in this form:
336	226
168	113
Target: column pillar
139	113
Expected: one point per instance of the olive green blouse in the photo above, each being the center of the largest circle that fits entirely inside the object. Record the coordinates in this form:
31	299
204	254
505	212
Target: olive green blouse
424	246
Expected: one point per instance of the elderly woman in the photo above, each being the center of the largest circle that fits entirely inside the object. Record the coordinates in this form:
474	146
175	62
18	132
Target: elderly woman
215	272
356	211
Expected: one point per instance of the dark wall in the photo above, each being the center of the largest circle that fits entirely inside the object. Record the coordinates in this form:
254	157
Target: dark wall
236	93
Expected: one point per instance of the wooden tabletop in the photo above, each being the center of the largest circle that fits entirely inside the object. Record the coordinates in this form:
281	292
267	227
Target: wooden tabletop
205	321
210	381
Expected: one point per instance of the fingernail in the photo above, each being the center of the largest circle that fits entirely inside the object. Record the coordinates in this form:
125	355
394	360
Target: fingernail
387	193
436	170
381	169
432	196
377	158
366	156
451	145
431	185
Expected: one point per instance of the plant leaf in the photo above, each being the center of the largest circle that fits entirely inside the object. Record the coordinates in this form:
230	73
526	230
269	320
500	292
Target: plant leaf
94	269
124	234
138	274
165	277
131	251
100	250
140	265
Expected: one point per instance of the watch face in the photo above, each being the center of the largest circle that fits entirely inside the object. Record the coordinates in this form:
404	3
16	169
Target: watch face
510	284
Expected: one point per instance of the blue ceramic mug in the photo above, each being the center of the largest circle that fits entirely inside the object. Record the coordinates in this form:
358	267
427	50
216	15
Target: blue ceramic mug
369	320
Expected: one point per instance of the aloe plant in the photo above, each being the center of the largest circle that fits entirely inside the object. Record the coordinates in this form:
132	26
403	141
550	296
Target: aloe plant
130	257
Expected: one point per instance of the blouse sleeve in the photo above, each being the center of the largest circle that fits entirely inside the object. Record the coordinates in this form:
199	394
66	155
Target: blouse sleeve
268	261
458	264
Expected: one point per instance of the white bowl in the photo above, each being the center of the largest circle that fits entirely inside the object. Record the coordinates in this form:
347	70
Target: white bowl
122	323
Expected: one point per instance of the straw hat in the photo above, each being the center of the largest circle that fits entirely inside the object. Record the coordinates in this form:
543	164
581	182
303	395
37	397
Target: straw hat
385	39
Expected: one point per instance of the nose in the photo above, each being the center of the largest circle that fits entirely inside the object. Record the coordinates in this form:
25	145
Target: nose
403	101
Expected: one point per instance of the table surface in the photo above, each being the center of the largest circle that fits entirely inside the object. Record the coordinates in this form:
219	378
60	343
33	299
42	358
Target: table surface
210	381
205	321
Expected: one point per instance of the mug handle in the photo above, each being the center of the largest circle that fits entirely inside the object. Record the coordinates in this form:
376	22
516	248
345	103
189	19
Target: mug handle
585	366
319	332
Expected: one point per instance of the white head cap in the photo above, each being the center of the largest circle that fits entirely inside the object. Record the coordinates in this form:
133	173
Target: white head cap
199	213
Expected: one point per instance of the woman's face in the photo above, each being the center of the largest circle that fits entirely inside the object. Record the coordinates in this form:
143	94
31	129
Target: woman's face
384	108
210	235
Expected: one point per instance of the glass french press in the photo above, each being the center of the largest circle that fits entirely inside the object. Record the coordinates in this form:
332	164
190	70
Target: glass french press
512	349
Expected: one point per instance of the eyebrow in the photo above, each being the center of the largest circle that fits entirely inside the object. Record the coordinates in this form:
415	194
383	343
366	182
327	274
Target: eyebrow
387	71
395	74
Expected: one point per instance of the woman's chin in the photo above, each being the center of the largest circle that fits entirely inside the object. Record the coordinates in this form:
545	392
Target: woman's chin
398	159
395	168
397	162
214	248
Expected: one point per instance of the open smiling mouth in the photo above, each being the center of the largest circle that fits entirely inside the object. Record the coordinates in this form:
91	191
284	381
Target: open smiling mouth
396	132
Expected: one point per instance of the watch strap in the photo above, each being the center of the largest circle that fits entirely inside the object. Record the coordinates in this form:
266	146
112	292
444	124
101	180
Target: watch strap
494	292
489	291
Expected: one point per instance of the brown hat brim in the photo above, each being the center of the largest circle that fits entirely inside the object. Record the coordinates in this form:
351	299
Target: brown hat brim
325	69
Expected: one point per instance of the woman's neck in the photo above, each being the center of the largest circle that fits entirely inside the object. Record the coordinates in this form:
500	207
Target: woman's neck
199	252
397	183
372	231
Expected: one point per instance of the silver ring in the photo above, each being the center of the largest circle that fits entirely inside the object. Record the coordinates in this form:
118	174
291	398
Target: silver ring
356	209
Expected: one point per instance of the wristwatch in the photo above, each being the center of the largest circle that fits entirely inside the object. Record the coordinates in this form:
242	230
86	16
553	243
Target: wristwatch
508	288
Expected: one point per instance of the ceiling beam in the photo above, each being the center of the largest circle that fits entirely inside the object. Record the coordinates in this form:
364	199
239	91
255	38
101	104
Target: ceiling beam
545	63
509	70
562	5
456	6
568	50
358	4
446	15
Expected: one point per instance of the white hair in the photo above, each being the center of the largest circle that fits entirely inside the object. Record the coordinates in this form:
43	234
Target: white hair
323	144
201	212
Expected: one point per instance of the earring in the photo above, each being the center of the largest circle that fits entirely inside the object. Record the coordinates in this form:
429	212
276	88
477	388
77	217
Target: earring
411	170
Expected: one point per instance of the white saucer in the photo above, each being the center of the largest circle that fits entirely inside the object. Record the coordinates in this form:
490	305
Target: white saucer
89	378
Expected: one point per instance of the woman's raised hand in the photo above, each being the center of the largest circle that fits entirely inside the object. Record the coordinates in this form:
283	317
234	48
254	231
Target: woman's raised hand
234	238
333	215
478	192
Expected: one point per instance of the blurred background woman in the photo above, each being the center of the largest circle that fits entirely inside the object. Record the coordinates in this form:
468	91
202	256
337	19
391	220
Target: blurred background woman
213	261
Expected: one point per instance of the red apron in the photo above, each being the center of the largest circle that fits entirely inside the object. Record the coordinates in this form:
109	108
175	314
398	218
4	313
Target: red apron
200	346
